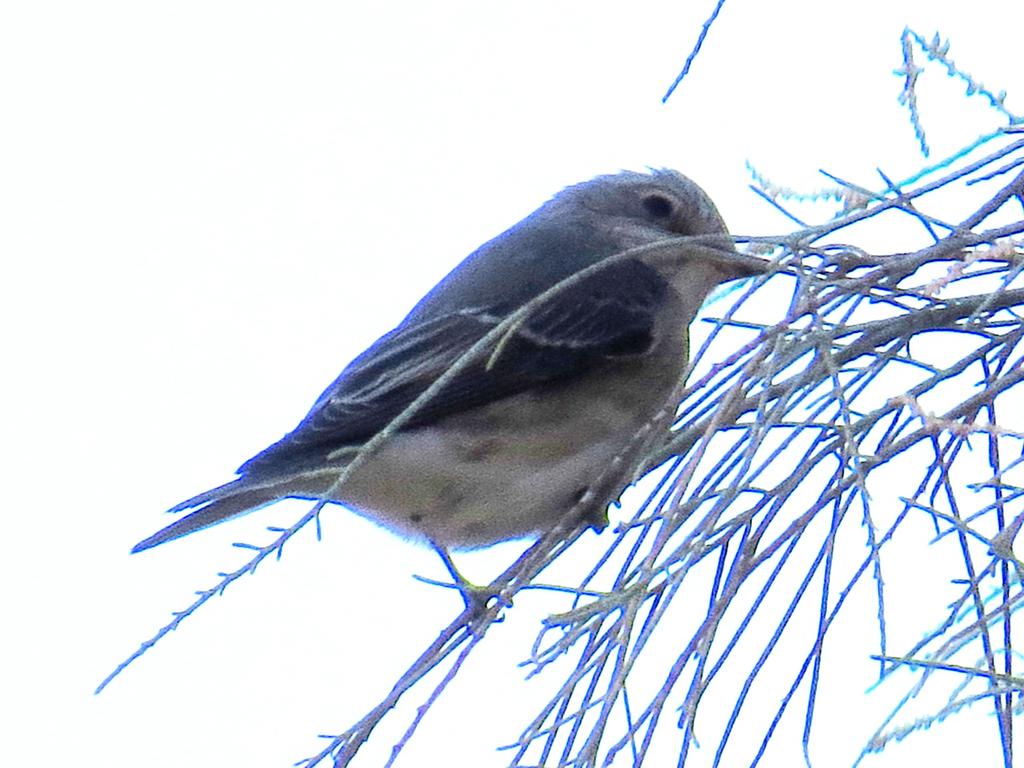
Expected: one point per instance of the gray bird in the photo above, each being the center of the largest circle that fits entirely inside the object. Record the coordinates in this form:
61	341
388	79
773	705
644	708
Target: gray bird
530	424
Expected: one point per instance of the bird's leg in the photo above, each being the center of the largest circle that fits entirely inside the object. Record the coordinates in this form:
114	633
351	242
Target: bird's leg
475	597
593	515
596	519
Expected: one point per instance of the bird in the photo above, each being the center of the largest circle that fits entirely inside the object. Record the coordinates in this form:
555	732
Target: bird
561	338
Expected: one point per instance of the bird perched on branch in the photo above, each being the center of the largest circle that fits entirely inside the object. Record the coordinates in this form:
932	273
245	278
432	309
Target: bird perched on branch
509	393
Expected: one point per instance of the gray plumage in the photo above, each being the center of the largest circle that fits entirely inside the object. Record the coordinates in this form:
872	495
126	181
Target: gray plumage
516	437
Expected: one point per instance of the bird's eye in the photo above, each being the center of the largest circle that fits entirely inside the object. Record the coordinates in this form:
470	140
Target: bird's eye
657	206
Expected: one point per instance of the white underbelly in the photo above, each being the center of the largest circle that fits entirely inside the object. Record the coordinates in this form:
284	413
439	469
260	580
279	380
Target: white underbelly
505	471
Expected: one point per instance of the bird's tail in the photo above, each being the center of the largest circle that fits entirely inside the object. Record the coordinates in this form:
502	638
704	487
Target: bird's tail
214	506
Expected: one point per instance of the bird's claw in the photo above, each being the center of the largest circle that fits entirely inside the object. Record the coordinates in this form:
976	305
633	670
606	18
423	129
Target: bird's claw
475	597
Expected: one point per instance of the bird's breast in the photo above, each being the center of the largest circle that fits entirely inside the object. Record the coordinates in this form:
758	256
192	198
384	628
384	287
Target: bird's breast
514	467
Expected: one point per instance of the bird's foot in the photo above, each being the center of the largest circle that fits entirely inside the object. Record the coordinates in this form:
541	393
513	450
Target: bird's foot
476	597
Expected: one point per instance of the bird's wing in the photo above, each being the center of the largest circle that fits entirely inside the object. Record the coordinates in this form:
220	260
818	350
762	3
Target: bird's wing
609	314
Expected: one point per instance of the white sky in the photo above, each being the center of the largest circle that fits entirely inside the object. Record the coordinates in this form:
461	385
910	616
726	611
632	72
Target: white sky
209	208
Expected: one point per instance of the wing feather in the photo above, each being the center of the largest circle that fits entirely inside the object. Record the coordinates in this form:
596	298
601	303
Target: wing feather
610	314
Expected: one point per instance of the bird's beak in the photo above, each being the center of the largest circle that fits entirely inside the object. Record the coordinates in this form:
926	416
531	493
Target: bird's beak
737	265
745	265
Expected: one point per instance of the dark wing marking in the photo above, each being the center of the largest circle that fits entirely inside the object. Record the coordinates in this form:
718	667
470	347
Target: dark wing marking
609	314
376	387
